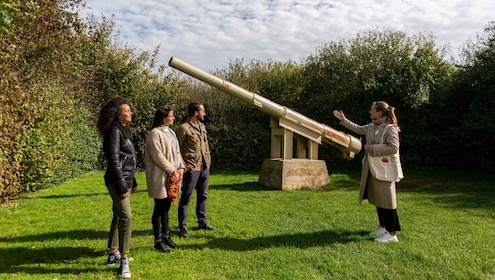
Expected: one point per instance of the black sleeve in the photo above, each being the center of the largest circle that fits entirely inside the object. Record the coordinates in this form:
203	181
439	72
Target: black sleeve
111	149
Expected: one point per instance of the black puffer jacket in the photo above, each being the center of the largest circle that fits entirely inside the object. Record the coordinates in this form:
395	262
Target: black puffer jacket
121	158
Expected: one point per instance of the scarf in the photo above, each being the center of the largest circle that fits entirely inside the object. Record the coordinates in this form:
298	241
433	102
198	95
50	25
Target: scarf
175	144
125	130
379	121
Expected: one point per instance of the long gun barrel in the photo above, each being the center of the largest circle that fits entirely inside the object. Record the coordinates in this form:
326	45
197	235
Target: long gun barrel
289	119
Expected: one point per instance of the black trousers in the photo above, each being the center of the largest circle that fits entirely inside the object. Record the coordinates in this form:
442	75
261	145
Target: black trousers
159	220
389	219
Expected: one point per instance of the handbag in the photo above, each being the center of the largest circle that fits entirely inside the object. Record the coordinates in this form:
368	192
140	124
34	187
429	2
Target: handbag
386	168
173	187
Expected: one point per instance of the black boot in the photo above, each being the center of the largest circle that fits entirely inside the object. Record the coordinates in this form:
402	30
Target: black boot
167	240
183	231
161	247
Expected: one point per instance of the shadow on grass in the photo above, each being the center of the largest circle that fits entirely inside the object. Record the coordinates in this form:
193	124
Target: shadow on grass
243	187
73	234
32	260
458	193
447	189
105	193
255	186
455	198
298	240
68	195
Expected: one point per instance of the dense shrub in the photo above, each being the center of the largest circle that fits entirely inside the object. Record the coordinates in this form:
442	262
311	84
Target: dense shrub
59	142
35	107
236	148
470	104
56	70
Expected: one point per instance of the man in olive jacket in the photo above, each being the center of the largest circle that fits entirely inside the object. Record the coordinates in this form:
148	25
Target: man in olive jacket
195	151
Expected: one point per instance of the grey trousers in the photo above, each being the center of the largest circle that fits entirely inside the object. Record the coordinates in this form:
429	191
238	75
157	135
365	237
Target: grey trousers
121	226
194	180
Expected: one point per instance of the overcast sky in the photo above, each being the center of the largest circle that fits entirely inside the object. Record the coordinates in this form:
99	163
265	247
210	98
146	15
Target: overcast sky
210	33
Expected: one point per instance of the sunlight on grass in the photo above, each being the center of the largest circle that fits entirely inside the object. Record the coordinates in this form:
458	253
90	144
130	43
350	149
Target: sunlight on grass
61	232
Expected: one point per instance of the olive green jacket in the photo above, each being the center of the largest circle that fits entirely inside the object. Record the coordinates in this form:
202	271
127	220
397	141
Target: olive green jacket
194	145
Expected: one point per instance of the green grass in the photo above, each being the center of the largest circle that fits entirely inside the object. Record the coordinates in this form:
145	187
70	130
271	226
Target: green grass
448	232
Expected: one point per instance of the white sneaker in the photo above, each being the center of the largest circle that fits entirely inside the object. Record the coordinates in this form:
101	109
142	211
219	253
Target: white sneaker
379	231
124	270
387	237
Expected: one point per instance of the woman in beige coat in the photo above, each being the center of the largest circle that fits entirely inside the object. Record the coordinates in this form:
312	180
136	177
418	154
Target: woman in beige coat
162	159
380	193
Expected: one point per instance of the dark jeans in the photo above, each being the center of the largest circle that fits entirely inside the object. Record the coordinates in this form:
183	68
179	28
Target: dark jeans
389	219
194	180
160	217
121	226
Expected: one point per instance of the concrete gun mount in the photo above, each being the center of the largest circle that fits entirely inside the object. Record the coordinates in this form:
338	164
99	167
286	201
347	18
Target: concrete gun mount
282	170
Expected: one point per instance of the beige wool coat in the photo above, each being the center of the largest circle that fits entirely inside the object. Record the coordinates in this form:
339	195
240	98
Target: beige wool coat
380	193
159	160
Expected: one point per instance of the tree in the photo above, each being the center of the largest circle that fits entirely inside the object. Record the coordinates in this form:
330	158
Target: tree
471	132
391	66
405	71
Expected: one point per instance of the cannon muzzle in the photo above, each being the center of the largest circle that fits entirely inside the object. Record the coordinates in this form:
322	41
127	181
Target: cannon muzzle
289	119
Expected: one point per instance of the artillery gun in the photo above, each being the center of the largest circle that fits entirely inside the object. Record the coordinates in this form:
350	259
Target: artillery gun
282	170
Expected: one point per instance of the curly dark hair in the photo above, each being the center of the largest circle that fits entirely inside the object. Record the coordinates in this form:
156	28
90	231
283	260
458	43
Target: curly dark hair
110	113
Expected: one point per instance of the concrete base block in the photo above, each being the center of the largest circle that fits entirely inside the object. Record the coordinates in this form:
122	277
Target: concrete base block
291	174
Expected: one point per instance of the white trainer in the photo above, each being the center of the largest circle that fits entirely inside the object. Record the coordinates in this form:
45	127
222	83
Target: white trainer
124	271
387	237
379	231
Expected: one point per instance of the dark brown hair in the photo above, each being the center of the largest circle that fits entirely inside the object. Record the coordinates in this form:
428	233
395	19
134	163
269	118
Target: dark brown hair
110	113
160	114
193	108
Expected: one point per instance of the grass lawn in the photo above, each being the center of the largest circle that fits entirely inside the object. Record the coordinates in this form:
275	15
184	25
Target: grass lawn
448	232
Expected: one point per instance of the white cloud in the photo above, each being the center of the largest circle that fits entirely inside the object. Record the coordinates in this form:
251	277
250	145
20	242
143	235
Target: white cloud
210	33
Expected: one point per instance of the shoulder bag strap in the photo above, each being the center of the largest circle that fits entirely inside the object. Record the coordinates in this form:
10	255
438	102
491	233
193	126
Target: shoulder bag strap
383	133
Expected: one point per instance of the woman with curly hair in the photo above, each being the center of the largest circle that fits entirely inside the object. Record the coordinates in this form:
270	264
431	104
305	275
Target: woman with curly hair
118	148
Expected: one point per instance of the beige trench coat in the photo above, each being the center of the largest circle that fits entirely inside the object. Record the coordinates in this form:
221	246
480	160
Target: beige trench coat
159	160
380	193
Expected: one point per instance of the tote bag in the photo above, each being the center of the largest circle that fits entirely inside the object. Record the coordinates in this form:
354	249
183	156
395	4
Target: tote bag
386	168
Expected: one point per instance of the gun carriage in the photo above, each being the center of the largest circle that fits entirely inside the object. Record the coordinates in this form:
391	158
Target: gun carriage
283	170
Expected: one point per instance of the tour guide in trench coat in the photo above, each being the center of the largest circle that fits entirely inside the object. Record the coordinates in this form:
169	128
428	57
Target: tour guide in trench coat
380	193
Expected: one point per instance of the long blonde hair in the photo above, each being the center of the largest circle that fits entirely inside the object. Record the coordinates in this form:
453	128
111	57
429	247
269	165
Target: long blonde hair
387	111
